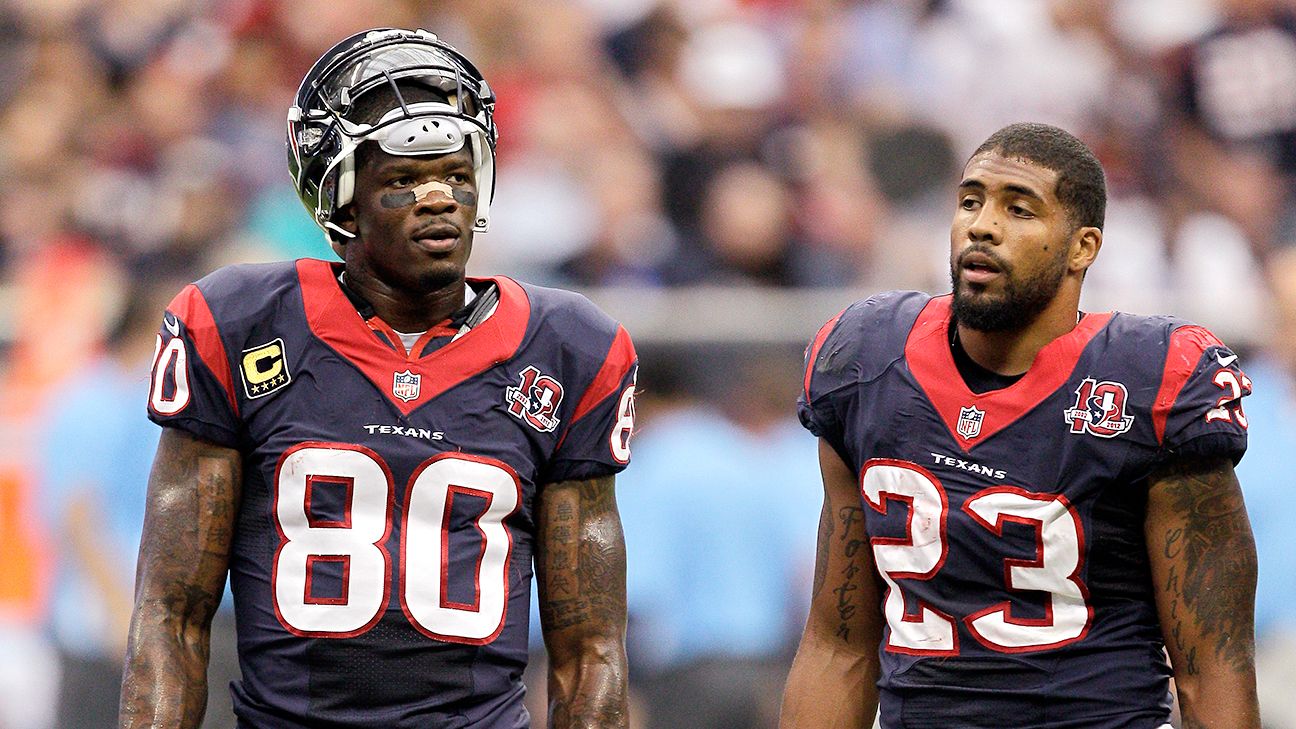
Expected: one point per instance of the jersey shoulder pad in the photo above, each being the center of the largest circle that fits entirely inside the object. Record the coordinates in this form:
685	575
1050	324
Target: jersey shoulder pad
594	361
1173	347
861	342
207	322
571	320
1199	383
1202	386
1142	330
1136	346
247	292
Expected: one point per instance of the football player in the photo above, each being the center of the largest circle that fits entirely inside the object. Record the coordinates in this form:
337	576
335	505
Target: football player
376	450
1026	505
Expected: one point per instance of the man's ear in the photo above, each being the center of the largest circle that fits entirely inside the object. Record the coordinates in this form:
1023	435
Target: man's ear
1085	244
343	218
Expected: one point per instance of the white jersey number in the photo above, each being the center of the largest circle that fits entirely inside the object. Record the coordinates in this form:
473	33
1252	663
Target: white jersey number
921	553
1229	407
173	359
357	543
623	429
916	556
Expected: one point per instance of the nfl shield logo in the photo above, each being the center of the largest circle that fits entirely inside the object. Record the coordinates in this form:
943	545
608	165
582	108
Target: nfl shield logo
405	385
969	424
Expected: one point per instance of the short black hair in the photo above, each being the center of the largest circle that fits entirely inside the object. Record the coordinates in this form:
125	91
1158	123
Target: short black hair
371	107
1081	187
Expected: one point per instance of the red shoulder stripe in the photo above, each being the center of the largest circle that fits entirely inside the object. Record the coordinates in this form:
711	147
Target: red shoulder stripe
1186	347
620	357
190	307
815	346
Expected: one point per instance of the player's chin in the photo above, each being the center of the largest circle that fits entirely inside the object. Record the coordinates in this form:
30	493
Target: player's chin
978	299
437	274
974	291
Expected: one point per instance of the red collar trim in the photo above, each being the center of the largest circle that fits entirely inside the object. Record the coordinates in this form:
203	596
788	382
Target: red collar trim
334	320
927	352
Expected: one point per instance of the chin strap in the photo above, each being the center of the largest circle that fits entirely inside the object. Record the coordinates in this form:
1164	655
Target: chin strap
482	307
333	227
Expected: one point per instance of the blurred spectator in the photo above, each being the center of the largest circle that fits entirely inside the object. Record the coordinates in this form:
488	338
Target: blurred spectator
1042	70
1235	104
719	515
95	466
57	310
746	229
634	242
1239	81
914	167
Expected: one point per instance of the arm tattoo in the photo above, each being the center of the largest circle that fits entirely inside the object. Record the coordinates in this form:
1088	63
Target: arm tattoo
582	556
1212	572
581	566
848	584
193	498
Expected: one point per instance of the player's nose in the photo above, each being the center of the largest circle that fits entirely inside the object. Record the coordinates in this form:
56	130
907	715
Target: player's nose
437	201
983	227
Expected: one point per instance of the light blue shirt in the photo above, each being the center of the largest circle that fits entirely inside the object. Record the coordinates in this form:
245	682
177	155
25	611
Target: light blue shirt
720	530
1266	473
97	440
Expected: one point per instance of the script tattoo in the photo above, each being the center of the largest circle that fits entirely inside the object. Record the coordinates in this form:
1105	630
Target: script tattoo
580	561
848	585
193	498
1211	579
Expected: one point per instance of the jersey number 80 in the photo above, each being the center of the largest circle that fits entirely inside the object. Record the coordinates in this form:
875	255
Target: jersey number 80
358	541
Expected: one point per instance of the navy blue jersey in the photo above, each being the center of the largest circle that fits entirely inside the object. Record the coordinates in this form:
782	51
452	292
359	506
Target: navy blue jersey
1007	526
382	558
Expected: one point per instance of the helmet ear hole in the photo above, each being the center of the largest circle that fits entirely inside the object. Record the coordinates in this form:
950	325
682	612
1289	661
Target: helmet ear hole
346	181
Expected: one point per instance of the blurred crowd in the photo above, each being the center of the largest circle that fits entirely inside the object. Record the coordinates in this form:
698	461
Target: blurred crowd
645	144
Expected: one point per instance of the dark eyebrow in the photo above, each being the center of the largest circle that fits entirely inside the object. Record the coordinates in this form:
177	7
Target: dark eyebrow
398	165
1021	190
409	166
